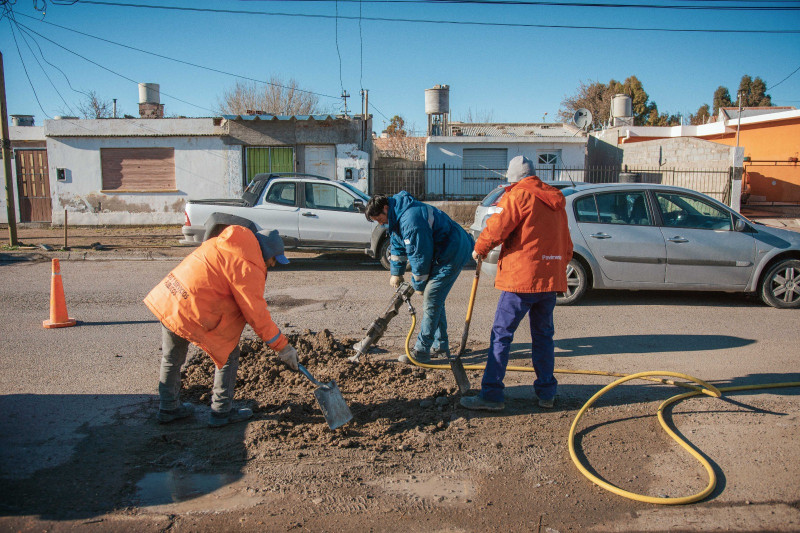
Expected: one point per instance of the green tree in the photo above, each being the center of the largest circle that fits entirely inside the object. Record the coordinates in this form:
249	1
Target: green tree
701	117
722	98
395	128
753	93
596	97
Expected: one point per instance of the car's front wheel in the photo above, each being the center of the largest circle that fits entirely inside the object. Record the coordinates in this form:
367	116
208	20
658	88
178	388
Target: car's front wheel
780	286
577	283
383	253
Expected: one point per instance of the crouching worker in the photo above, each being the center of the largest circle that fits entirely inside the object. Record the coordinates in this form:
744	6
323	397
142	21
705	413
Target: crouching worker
206	300
436	248
532	227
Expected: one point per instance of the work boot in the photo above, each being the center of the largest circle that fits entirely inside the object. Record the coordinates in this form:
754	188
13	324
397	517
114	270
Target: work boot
477	403
547	404
217	420
423	358
165	416
440	352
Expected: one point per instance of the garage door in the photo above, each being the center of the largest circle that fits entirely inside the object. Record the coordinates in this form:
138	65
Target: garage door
485	162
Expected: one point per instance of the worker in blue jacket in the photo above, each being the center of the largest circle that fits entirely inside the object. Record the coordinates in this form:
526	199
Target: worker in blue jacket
436	248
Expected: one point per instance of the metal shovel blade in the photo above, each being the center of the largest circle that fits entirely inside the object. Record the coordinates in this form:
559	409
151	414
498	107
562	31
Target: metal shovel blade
460	374
330	400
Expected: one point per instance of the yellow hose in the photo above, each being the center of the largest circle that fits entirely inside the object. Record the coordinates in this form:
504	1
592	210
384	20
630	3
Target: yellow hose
703	388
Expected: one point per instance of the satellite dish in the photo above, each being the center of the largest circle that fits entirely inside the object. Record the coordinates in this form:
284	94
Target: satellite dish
582	118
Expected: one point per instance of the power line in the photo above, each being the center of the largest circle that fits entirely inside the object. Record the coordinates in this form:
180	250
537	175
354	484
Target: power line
784	79
756	7
448	22
218	71
109	70
26	69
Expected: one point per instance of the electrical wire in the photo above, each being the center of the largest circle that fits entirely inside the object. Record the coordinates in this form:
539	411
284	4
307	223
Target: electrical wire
447	22
162	56
784	79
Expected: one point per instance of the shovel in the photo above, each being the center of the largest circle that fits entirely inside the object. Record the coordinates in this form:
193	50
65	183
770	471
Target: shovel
330	400
455	364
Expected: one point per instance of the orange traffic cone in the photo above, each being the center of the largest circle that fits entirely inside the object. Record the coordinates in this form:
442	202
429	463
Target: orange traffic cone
58	307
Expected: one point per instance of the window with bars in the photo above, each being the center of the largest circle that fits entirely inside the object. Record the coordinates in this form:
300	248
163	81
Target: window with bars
266	159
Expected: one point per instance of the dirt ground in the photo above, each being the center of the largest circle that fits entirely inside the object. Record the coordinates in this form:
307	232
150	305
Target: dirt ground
411	459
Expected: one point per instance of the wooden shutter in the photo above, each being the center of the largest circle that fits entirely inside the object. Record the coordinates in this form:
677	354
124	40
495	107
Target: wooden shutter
138	169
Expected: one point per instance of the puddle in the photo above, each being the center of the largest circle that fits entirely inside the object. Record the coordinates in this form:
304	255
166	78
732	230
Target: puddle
160	488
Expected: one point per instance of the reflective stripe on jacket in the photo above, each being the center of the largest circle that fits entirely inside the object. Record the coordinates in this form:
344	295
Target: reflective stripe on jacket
534	232
425	238
210	295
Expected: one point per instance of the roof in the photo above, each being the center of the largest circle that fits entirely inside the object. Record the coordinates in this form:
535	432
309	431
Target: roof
552	129
733	112
318	118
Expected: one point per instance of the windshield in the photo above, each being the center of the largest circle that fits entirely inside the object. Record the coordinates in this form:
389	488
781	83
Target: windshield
493	197
355	191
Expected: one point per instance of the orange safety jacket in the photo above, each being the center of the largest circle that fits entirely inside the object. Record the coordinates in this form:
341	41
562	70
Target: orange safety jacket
533	229
210	295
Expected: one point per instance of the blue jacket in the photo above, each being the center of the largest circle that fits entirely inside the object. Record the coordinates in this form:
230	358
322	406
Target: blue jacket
424	238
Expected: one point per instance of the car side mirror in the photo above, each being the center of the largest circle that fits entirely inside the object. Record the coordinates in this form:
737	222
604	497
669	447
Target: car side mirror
359	205
739	225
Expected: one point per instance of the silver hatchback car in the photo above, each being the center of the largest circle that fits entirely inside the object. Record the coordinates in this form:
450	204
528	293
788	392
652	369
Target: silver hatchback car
659	237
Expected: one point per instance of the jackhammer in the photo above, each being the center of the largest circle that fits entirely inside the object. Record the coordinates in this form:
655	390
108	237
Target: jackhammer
378	327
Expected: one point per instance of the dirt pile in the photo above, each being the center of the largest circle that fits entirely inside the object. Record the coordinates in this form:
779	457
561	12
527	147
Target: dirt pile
394	405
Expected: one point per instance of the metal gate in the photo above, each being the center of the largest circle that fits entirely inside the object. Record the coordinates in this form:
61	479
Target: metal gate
33	186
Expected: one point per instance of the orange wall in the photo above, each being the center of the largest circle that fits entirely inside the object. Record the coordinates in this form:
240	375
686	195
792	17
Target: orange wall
767	141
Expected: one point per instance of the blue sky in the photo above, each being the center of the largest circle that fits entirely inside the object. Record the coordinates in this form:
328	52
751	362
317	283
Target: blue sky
513	74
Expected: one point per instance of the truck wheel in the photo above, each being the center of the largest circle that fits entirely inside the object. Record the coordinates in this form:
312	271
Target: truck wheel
383	253
780	286
577	283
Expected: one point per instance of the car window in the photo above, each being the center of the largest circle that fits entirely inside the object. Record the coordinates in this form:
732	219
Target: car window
586	209
685	211
628	207
324	196
282	193
493	197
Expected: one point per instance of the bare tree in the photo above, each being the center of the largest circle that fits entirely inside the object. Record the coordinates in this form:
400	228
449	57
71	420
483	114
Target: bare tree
479	117
278	97
94	107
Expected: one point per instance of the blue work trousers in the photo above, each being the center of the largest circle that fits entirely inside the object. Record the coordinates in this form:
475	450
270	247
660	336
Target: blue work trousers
511	308
433	327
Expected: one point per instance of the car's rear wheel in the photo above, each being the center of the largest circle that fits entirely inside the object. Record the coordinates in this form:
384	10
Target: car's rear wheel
383	253
577	283
780	286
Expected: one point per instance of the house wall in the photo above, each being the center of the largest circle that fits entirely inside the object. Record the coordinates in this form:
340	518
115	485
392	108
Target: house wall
22	137
770	175
770	141
449	151
204	168
353	147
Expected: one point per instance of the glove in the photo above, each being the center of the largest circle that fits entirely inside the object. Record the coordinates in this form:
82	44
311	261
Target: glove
395	281
476	256
289	356
419	293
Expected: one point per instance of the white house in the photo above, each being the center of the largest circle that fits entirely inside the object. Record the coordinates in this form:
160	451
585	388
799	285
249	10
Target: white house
461	162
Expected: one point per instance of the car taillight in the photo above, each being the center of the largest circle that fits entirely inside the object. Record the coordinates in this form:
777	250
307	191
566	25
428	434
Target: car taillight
186	222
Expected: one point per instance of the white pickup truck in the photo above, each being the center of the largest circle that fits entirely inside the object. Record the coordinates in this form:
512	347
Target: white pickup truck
310	213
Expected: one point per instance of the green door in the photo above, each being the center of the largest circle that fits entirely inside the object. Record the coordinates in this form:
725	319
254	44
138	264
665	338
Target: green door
266	159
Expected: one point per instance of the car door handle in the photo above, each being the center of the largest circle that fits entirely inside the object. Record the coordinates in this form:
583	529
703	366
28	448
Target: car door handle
600	236
309	214
678	238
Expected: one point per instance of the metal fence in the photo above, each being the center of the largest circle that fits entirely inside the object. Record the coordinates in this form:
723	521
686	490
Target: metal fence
459	183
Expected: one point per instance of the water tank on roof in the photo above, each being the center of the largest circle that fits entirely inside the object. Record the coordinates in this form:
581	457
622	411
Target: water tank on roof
621	106
437	100
149	93
22	120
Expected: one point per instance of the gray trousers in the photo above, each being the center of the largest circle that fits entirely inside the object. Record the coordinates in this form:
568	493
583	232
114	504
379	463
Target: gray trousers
173	355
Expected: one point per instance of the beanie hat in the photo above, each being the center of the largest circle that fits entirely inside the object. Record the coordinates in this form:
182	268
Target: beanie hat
271	245
519	167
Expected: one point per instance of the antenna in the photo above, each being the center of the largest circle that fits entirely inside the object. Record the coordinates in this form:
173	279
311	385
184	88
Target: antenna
582	118
345	96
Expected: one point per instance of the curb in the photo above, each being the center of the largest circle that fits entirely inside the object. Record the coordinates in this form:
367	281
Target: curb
19	257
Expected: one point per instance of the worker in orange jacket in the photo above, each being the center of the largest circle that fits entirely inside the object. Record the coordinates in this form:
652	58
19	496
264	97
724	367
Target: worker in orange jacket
532	227
207	300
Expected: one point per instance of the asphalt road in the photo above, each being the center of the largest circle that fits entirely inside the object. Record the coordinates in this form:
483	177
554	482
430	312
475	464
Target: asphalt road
109	362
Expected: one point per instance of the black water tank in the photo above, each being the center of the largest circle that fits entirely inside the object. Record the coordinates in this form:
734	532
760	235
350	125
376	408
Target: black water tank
629	177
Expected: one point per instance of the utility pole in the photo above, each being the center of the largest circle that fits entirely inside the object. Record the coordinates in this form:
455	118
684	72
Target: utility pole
12	215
